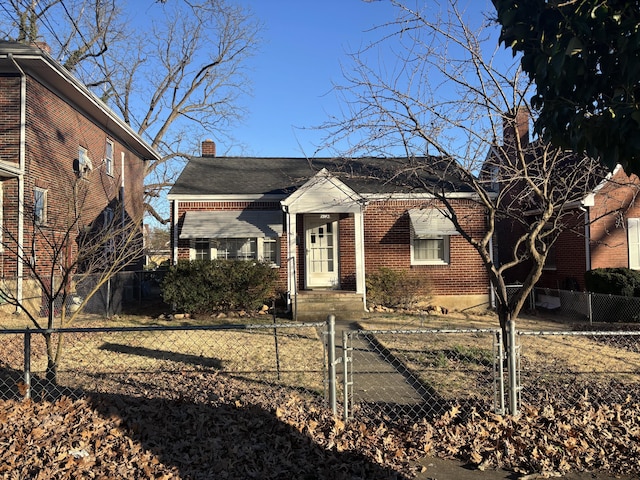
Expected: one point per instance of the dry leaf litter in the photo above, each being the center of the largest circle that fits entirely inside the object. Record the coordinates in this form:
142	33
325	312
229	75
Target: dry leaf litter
219	427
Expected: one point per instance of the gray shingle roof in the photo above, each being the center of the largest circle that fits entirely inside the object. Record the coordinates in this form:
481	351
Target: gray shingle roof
282	176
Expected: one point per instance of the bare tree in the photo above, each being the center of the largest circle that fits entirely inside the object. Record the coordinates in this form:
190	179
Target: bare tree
68	259
175	78
449	103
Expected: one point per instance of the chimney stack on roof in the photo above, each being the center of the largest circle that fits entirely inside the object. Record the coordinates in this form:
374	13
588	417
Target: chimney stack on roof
208	148
44	46
516	122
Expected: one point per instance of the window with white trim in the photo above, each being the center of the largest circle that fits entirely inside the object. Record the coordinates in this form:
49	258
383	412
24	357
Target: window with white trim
431	230
201	249
253	248
633	240
39	206
433	250
108	157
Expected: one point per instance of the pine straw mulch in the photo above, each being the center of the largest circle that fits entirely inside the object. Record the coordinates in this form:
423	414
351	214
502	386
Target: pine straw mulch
212	426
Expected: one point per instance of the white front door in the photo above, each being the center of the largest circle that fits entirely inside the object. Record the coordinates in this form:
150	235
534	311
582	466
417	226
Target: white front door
321	250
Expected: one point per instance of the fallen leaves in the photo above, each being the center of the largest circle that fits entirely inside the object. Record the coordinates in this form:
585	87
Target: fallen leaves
225	428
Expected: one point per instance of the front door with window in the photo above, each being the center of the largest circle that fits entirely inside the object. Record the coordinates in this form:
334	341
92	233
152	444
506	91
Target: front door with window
321	251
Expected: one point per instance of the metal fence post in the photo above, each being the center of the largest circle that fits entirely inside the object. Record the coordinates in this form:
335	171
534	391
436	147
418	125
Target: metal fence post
331	356
590	307
512	364
27	363
345	373
500	405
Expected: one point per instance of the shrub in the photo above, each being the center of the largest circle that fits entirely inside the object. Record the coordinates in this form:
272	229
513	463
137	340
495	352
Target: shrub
613	281
394	288
204	286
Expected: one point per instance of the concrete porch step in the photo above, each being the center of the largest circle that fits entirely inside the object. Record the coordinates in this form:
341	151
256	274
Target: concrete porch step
316	305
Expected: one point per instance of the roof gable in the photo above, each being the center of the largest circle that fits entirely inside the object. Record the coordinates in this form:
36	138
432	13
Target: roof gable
324	192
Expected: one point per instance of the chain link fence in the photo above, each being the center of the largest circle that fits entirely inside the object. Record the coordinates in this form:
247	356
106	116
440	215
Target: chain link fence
564	368
113	297
145	361
585	306
394	374
423	373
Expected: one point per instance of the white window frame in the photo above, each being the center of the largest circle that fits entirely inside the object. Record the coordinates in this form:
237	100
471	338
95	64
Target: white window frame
193	251
108	157
446	256
40	213
633	243
259	248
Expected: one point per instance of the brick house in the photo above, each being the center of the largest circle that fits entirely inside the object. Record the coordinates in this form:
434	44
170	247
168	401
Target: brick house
610	219
602	223
325	224
65	159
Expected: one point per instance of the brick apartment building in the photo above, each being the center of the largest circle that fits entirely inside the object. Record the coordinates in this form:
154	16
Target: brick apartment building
326	224
65	160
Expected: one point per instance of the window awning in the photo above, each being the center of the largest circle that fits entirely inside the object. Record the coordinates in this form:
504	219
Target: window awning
428	222
225	224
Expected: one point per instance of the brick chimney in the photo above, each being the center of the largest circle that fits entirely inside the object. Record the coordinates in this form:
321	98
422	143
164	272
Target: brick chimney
516	122
208	148
44	46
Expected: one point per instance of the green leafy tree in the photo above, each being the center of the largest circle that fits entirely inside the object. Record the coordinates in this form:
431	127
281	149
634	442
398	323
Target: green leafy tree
584	56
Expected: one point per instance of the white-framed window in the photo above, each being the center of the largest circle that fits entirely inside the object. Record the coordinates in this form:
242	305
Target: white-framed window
432	250
633	240
108	157
201	249
39	206
252	248
84	162
431	230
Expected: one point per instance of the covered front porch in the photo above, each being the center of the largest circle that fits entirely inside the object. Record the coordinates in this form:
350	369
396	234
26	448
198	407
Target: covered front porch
326	264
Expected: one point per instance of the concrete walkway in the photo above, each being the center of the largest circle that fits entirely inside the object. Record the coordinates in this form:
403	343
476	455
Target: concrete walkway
378	377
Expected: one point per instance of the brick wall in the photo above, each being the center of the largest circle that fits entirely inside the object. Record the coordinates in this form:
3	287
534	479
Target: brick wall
205	206
613	205
54	132
386	243
387	231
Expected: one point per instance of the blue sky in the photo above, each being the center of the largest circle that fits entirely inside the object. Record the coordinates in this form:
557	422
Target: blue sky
304	44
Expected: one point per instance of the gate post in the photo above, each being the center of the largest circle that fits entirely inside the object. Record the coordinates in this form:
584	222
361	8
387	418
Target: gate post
331	354
27	364
512	362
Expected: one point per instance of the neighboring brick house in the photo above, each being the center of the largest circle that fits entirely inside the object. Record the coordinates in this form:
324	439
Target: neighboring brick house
602	224
66	161
326	224
605	234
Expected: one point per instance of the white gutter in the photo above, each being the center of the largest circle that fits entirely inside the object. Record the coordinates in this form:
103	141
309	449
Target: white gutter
21	162
174	219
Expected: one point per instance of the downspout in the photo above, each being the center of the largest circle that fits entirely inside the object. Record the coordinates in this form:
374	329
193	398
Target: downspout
587	239
21	160
175	233
122	191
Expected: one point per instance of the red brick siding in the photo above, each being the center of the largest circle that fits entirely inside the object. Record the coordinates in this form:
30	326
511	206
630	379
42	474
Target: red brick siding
570	256
386	243
54	131
614	204
387	233
205	206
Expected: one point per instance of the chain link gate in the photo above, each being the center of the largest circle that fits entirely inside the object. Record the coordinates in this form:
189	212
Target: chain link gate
422	373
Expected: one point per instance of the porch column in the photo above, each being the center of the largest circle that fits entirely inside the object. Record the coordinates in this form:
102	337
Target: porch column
358	220
292	257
